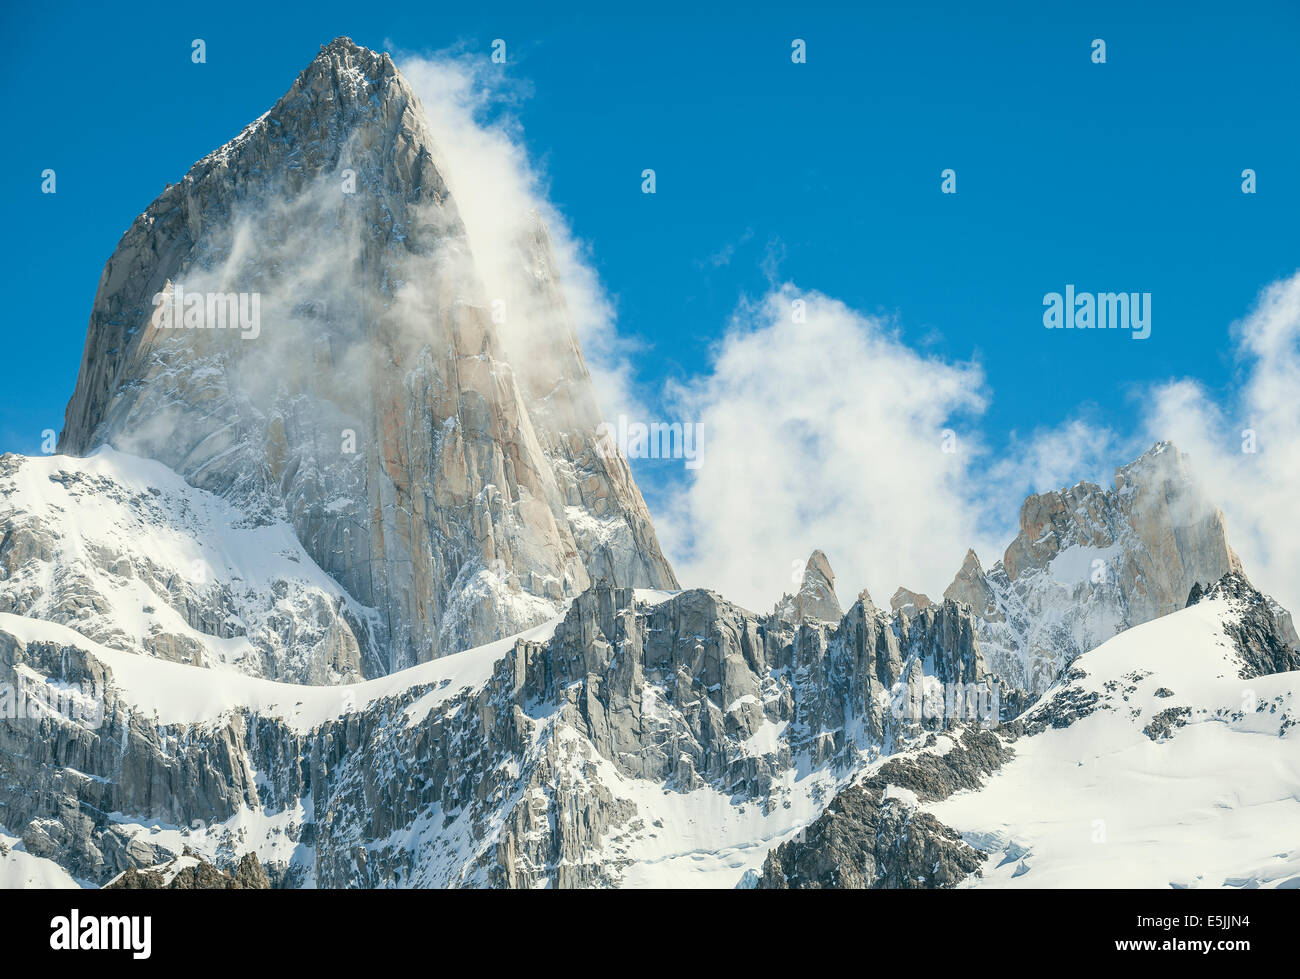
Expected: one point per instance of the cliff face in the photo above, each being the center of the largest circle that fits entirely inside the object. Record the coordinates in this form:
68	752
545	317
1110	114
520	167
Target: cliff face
348	589
637	739
370	402
1089	563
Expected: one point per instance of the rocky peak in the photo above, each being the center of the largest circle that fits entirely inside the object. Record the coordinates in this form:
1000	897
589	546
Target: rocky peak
1089	562
815	600
908	602
1156	500
375	407
971	586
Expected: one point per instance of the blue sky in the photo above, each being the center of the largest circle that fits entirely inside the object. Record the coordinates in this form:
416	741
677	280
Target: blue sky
1122	176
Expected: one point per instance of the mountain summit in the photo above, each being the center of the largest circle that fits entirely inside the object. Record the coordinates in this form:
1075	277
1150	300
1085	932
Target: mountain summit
1090	562
324	439
373	406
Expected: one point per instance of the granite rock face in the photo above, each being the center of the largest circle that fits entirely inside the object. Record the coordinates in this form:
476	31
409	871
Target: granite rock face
909	602
815	601
1090	562
557	761
374	406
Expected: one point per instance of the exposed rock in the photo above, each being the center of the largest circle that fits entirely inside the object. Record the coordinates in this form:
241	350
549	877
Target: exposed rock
193	874
870	838
971	586
815	600
1089	563
976	754
909	602
866	841
1163	724
1262	630
516	781
376	409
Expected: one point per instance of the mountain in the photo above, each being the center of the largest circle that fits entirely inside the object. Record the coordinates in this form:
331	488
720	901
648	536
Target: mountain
651	738
353	594
1165	757
373	407
128	554
639	738
1089	563
642	738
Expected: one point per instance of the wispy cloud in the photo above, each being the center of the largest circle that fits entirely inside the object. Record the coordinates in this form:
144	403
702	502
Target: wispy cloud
500	191
1257	490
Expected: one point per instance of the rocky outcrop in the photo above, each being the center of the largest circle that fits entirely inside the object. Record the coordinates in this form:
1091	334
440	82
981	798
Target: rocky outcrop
908	602
526	778
374	407
1261	630
873	837
867	841
815	601
1090	562
188	873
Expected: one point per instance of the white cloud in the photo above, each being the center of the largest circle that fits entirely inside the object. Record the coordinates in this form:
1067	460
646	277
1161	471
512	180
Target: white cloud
827	435
496	189
823	434
1257	491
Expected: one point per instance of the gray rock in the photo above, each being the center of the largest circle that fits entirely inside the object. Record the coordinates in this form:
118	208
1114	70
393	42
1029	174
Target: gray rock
1262	630
1089	563
376	410
815	601
503	784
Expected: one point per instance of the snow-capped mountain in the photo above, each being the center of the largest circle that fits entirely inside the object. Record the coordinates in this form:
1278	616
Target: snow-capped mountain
668	739
1166	757
354	596
1090	562
374	407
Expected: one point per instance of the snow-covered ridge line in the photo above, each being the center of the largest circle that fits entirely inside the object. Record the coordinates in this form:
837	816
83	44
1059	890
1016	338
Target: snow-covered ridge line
179	694
1151	763
124	551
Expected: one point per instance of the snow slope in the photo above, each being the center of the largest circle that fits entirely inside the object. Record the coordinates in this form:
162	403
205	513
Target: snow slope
176	693
1182	775
20	870
125	552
